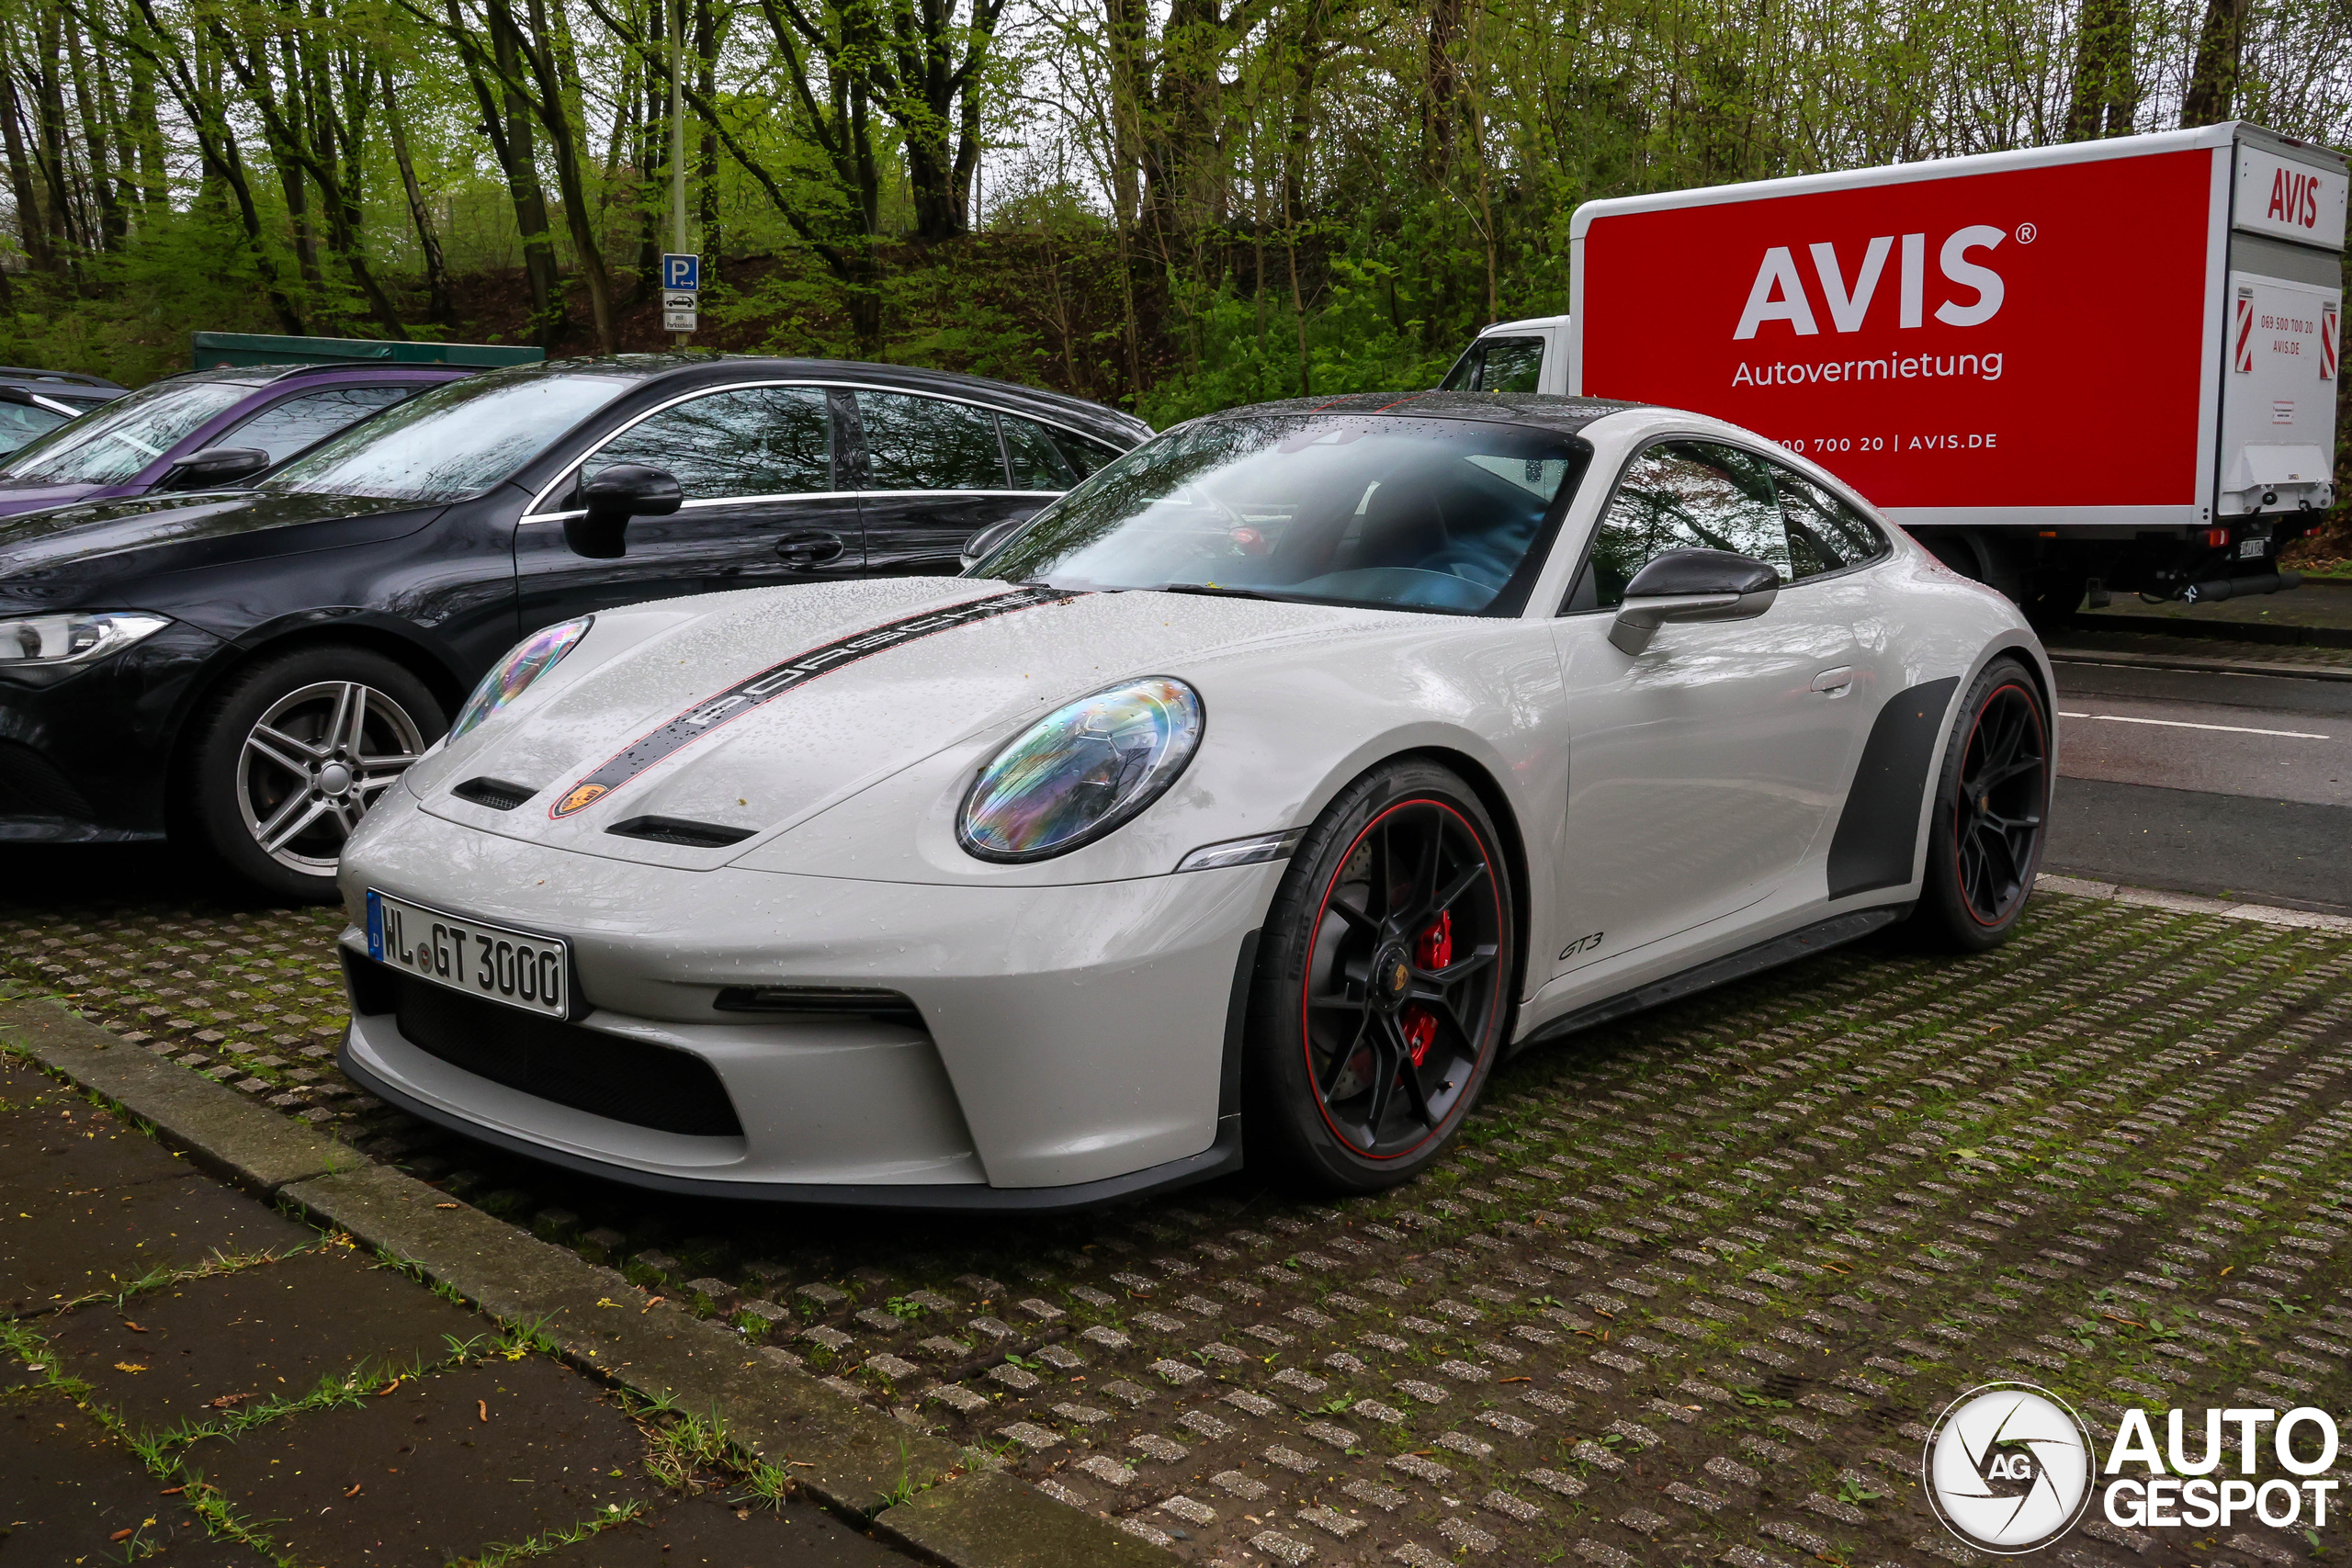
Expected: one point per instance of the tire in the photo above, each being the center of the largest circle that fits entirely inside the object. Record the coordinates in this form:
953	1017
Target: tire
1320	1032
290	754
1988	820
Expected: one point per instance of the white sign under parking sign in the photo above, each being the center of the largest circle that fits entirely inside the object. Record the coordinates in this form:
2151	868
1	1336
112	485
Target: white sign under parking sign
677	320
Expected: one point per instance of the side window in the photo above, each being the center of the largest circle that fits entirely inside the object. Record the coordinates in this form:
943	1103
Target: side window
1680	495
745	441
1513	365
283	429
917	443
1084	456
1825	533
1498	365
1037	463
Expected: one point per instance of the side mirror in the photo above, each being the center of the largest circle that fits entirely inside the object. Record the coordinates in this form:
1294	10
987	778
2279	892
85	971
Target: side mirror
984	542
215	466
1691	585
611	498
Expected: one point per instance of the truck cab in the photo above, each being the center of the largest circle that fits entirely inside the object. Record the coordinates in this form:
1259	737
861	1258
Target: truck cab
1514	356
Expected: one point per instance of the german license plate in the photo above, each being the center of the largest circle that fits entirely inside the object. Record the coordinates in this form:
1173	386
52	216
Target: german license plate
532	973
2251	549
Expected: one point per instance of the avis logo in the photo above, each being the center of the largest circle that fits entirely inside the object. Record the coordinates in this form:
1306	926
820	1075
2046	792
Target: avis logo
1779	293
2294	198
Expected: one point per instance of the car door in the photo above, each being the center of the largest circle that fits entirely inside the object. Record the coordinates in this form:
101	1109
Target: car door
762	506
1512	363
1701	770
935	474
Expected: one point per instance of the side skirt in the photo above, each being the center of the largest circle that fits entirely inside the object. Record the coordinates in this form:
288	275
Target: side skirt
1817	938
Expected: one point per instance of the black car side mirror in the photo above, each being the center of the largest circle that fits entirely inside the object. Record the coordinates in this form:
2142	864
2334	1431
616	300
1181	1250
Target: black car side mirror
611	498
215	466
1691	585
985	542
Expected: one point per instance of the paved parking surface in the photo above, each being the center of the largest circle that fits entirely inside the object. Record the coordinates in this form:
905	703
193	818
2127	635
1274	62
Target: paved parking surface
1688	1290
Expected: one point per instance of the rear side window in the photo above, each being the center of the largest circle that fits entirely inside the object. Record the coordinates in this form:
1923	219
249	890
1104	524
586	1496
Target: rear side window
285	428
917	443
1084	456
1825	533
1498	365
1037	463
748	441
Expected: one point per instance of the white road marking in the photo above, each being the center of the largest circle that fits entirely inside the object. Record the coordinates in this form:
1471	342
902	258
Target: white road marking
2184	724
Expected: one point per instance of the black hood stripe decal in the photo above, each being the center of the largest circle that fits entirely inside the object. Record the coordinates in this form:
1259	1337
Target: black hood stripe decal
777	679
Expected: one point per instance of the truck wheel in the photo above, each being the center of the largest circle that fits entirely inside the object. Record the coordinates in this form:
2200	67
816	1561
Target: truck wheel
1384	987
290	754
1986	824
2057	596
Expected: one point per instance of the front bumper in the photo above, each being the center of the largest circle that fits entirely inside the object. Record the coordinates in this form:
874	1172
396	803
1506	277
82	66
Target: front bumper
86	753
1072	1043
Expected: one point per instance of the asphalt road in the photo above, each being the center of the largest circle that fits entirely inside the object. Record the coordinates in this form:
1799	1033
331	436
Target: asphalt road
2229	785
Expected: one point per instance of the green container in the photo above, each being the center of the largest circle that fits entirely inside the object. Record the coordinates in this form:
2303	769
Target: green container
213	349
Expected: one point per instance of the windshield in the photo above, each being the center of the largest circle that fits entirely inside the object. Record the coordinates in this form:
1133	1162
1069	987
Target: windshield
20	423
114	442
457	440
1431	515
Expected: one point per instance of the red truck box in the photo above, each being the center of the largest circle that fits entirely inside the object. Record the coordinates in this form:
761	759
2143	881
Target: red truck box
2113	360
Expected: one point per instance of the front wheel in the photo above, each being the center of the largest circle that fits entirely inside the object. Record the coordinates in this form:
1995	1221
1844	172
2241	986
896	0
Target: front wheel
292	754
1384	983
1991	803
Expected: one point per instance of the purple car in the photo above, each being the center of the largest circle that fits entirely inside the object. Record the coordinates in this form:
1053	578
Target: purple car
204	429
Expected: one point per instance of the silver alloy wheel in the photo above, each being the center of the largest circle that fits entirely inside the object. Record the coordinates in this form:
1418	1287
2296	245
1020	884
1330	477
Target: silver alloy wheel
314	763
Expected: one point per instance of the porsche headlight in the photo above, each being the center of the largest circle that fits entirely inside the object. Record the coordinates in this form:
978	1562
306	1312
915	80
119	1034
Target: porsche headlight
52	640
1081	770
524	663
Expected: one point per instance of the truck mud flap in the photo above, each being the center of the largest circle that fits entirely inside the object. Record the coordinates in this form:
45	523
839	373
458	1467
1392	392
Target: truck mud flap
1878	833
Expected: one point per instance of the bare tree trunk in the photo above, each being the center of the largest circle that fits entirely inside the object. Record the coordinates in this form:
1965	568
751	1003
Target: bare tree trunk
706	40
23	184
437	307
2213	80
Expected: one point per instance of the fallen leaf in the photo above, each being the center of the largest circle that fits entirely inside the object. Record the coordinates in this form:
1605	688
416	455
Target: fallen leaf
229	1399
481	1408
129	1367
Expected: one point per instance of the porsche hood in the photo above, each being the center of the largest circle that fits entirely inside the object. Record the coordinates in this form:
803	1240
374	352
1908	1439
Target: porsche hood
741	715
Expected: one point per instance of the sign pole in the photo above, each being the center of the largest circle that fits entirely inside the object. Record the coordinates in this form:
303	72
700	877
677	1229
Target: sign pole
678	135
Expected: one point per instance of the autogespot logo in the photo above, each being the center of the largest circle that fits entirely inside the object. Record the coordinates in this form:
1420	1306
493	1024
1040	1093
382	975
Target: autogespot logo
2009	1468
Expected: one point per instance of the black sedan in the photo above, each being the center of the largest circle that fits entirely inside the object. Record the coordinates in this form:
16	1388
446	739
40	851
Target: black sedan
251	669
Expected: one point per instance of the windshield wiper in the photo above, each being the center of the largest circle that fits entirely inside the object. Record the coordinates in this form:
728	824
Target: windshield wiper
1218	591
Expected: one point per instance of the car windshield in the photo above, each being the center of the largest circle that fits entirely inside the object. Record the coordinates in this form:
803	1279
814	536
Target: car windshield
1430	514
114	442
456	441
20	422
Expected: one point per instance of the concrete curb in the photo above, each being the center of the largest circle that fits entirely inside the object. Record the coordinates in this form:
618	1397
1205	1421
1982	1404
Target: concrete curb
2194	904
845	1456
2193	662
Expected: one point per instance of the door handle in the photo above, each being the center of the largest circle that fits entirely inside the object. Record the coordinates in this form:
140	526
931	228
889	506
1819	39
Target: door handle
814	547
1835	682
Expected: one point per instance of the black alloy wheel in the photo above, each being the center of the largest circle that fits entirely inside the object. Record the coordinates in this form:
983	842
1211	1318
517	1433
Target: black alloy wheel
1384	980
1992	810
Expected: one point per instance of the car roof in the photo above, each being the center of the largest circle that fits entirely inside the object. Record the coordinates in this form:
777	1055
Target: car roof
1528	325
259	376
694	367
1542	411
57	380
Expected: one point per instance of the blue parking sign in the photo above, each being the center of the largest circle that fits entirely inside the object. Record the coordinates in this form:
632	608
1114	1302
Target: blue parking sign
681	272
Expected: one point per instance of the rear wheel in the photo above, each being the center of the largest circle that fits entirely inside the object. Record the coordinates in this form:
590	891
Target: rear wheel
1383	982
1992	803
293	753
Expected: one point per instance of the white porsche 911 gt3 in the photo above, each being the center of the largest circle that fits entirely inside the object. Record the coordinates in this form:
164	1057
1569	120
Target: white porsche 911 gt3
1279	779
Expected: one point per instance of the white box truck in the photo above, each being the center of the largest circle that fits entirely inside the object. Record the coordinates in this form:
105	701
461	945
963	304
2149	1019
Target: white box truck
2110	366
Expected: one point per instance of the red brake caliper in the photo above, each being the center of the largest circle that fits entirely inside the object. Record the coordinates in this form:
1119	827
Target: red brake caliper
1434	950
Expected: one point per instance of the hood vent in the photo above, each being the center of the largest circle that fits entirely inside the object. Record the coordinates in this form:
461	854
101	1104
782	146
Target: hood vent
678	830
496	794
